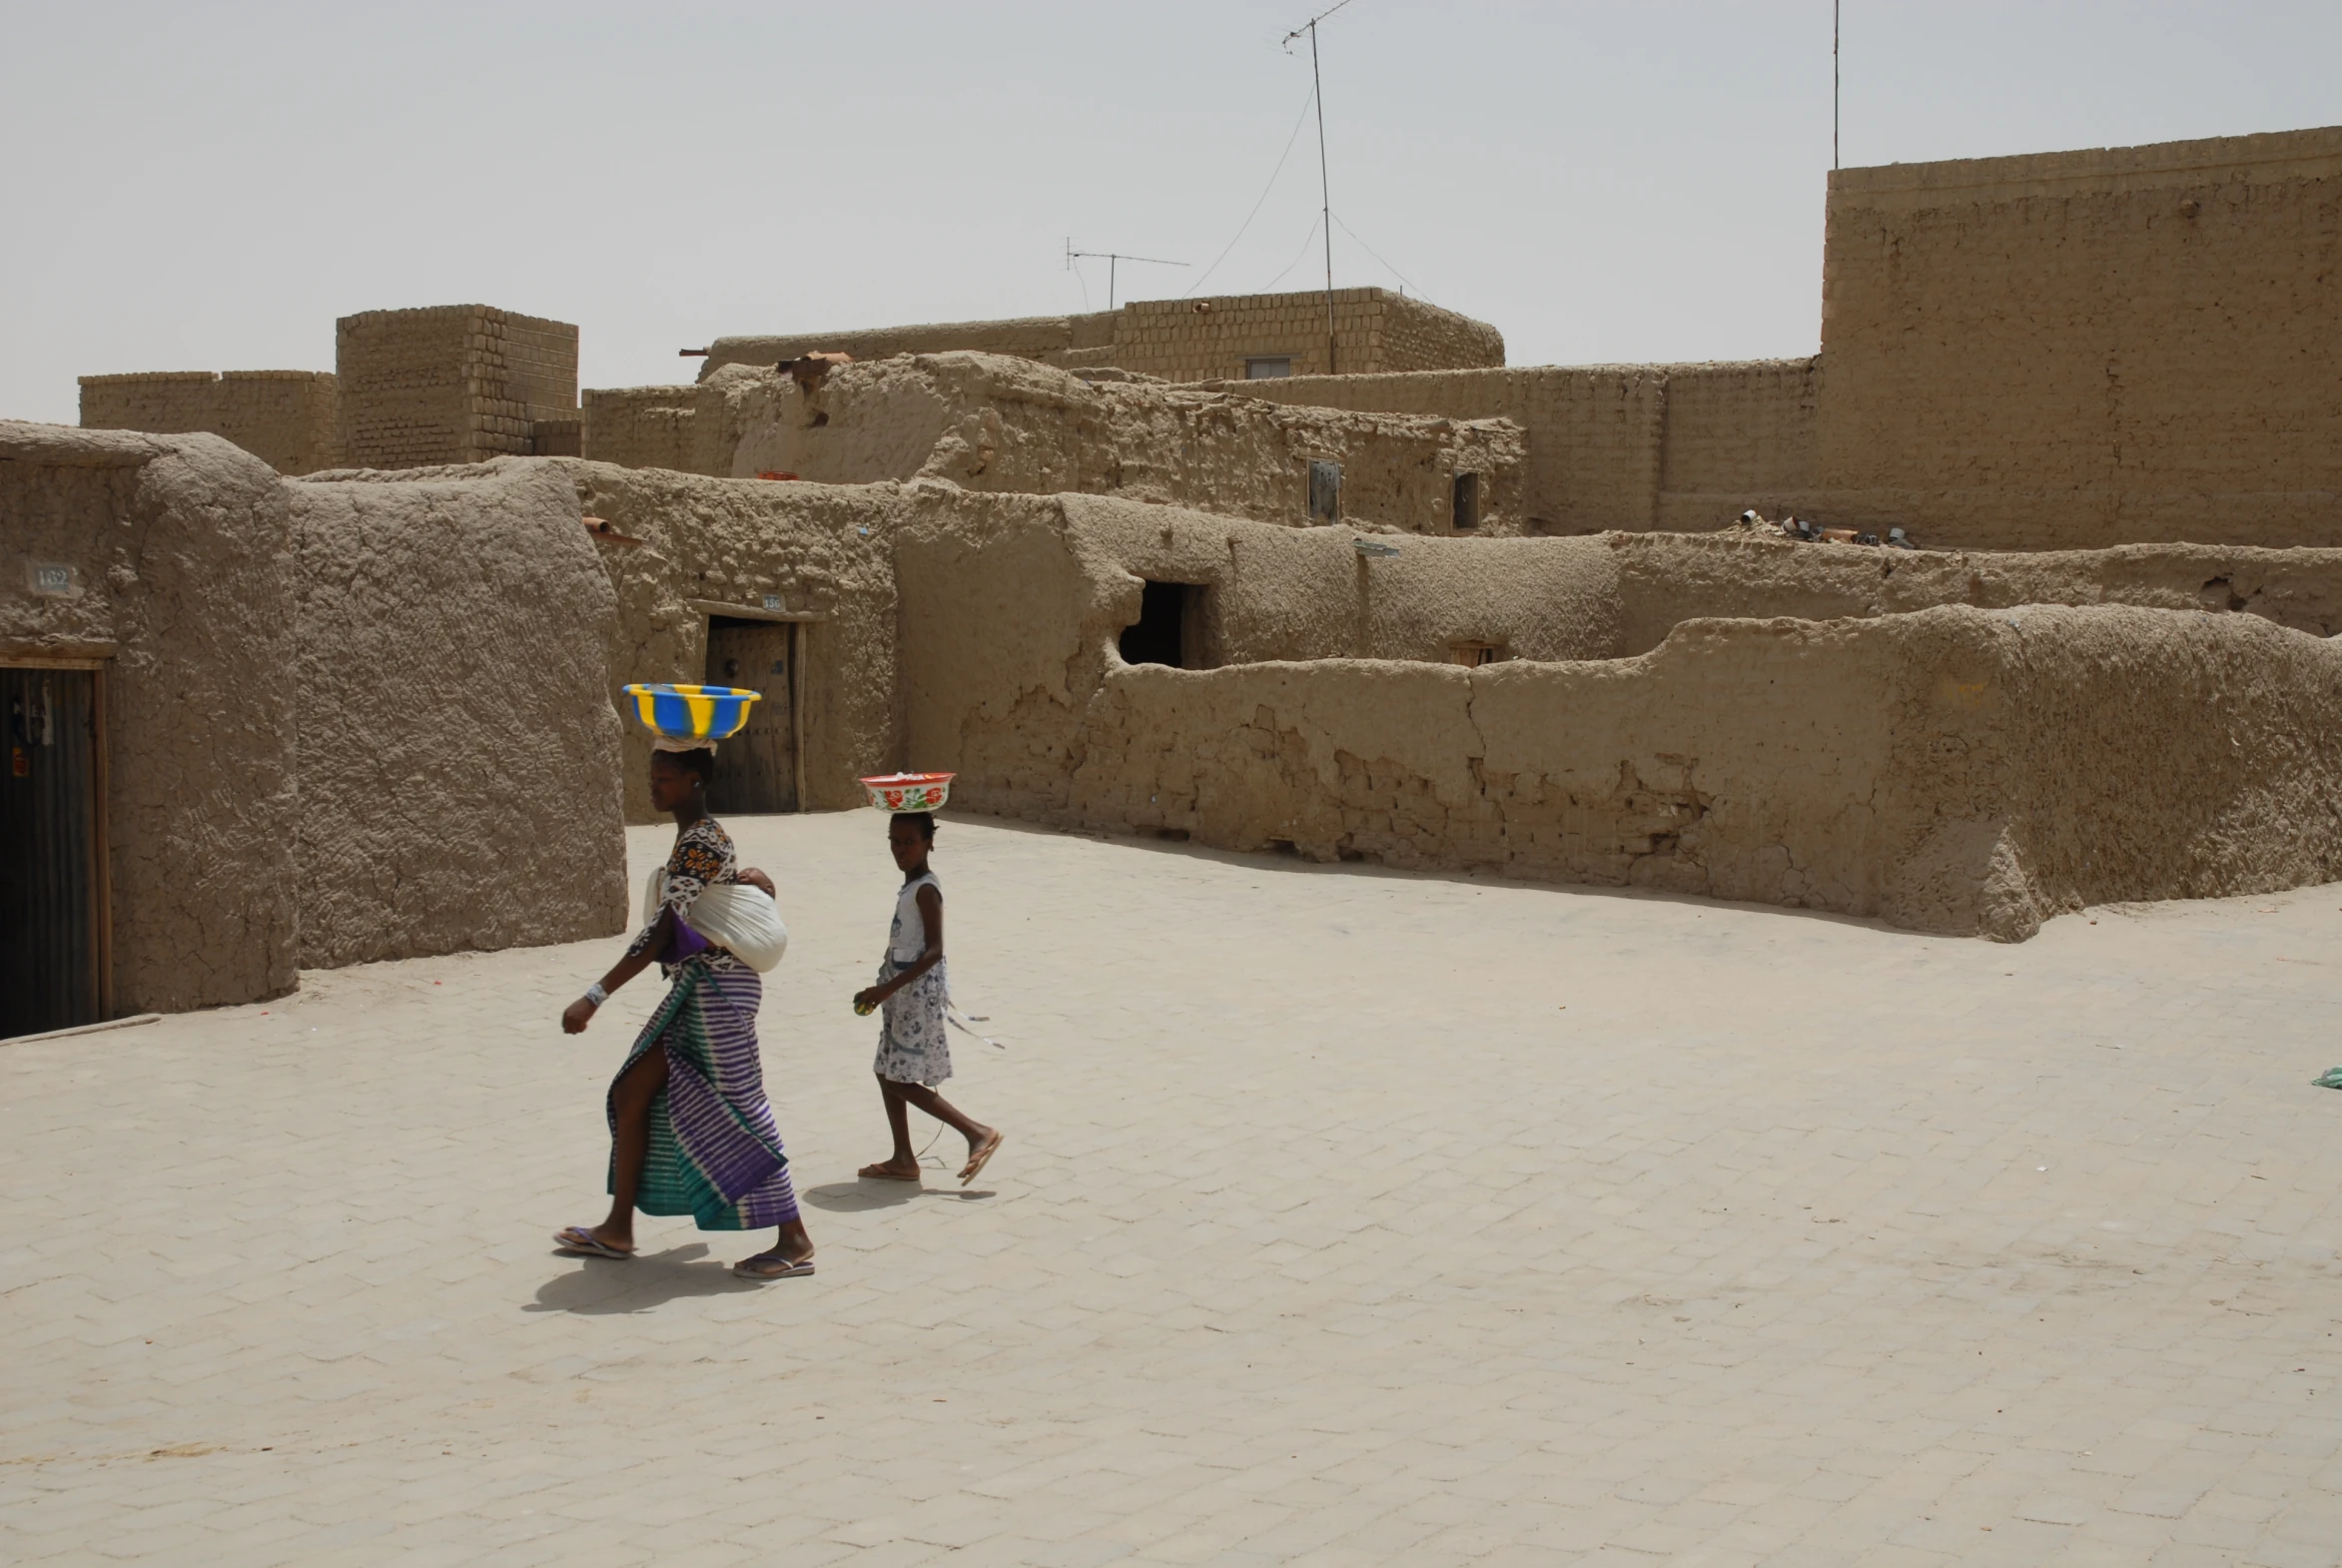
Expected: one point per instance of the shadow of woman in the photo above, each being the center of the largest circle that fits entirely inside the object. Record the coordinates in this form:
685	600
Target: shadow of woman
607	1285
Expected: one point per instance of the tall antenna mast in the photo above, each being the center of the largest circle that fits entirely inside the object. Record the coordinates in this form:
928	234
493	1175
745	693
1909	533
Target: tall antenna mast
1324	198
1834	7
1112	257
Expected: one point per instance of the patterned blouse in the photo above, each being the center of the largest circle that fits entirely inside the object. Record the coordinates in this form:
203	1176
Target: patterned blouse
703	855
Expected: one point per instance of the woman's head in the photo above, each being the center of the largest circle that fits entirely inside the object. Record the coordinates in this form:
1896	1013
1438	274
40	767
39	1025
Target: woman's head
680	778
910	833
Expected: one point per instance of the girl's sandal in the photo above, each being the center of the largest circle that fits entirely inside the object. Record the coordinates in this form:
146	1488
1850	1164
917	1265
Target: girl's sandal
982	1155
884	1173
775	1264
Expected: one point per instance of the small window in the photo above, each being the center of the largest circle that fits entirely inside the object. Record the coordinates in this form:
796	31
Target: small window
1467	502
1474	654
1173	627
1267	366
1324	491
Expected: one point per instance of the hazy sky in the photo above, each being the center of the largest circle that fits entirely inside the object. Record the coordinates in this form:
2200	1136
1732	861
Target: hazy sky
207	186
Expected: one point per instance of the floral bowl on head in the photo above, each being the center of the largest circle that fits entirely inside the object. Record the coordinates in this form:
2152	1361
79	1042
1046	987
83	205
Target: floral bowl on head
909	791
706	714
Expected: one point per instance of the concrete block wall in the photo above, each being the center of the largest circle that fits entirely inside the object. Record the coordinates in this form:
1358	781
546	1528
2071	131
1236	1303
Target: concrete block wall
2083	348
289	420
449	383
1736	436
640	427
1372	331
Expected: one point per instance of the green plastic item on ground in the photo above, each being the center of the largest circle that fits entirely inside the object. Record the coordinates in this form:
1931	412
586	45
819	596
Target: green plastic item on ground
2331	1077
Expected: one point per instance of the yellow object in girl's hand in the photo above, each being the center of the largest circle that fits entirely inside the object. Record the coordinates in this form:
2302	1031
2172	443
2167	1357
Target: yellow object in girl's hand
865	1009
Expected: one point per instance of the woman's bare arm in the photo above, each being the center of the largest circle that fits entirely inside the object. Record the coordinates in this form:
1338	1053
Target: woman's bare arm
579	1013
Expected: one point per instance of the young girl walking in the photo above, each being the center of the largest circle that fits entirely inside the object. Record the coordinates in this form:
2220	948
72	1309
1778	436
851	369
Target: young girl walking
913	1054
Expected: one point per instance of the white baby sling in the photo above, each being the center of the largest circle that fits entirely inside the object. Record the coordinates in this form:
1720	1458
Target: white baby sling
731	915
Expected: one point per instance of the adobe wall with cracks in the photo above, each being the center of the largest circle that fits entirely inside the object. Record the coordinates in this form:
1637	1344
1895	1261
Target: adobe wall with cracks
993	423
458	752
1954	770
680	546
182	546
1941	768
1663	580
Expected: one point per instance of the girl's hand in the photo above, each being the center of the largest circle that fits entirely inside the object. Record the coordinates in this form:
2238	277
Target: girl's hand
867	997
577	1015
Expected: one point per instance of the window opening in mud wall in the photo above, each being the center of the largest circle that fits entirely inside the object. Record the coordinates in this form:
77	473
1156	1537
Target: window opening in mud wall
1267	366
1173	627
1324	491
1474	654
1466	512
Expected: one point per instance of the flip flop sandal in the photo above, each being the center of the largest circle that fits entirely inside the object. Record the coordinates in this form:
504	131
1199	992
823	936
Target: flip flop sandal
579	1241
983	1158
747	1269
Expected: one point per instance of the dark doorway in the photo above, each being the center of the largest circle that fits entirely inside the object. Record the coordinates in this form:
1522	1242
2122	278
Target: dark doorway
756	770
1173	627
51	895
1466	513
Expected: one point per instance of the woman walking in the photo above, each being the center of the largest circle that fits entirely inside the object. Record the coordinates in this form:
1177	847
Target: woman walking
691	1131
913	1054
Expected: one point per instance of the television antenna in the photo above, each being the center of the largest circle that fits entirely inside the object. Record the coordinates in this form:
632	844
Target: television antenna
1324	201
1112	259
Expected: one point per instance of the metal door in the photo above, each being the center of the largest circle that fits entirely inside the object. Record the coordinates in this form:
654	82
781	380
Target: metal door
49	896
756	770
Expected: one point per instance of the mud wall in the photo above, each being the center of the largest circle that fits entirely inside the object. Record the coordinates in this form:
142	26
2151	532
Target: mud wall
1948	768
1043	338
1954	770
182	548
458	752
1664	579
823	553
1374	330
289	420
1593	438
2091	348
997	424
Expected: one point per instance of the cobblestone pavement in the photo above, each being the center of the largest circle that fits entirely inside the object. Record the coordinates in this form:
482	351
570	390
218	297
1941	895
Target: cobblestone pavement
1345	1217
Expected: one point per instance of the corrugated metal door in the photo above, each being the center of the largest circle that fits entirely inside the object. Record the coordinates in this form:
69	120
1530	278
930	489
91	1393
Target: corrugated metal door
49	896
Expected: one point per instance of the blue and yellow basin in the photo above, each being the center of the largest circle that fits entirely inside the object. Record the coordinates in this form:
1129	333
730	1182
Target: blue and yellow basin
702	713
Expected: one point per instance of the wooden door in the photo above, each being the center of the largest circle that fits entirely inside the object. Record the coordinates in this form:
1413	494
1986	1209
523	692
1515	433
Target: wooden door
756	770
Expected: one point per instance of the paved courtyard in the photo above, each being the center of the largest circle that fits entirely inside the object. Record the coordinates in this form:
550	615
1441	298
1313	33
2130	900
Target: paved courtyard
1345	1217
